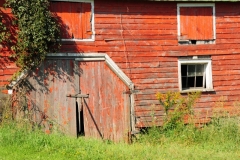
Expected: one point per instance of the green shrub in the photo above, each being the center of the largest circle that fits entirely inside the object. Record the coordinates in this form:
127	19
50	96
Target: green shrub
38	32
177	108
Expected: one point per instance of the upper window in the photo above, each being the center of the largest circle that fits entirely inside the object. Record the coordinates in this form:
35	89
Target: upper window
196	23
195	73
75	18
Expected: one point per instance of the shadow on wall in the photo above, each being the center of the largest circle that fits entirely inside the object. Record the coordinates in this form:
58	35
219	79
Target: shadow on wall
43	93
7	66
43	90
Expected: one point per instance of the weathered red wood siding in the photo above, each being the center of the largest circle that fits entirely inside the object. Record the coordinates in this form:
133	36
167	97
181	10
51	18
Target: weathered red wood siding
201	17
74	19
105	113
7	64
48	86
107	110
141	37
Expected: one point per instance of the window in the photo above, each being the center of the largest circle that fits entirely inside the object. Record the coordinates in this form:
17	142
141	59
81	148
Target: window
196	23
195	73
75	18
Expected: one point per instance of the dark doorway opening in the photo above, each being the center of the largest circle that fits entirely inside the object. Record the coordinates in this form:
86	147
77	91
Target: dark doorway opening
79	119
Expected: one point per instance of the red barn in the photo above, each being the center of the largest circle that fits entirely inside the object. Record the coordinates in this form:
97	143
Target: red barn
116	55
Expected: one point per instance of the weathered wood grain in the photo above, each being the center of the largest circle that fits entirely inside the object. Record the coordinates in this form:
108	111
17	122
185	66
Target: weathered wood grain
141	37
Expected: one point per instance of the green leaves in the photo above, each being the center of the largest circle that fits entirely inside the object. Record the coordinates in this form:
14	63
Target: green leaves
37	34
177	107
4	35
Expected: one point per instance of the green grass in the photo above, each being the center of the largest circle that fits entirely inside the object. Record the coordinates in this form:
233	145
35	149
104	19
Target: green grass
219	140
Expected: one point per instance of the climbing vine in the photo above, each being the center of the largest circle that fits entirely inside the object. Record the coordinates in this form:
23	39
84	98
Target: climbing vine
37	33
4	35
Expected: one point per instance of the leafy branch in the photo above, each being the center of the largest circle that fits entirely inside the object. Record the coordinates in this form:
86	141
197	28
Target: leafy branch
38	32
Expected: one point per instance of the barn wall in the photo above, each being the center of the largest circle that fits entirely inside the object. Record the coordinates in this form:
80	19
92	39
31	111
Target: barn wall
142	39
7	65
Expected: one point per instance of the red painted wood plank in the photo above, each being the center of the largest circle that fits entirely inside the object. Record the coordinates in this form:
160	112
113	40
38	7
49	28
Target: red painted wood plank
194	21
227	62
136	37
226	67
136	32
228	30
225	57
226	25
153	64
144	59
86	20
226	72
151	70
9	71
161	15
108	113
227	19
132	42
161	80
135	21
3	83
226	77
140	26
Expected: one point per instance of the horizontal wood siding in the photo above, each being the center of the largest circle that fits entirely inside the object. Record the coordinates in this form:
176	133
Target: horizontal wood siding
7	64
142	39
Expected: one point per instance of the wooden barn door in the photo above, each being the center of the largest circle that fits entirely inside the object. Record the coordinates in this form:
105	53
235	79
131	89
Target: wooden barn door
106	111
49	86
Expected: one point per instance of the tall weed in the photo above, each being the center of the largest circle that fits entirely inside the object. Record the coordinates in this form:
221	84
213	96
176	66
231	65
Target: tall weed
178	109
223	129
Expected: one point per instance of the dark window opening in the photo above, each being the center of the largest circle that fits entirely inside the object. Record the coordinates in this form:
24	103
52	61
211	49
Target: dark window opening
193	41
193	76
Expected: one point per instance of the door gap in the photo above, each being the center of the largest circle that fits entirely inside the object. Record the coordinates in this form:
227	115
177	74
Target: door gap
80	120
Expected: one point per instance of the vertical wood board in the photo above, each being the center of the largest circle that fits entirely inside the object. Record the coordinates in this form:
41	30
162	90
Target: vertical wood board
106	110
194	21
49	85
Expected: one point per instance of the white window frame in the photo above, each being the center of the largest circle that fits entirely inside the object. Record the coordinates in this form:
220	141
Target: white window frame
93	21
208	72
179	5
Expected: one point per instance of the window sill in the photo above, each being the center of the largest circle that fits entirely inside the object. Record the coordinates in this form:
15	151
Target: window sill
196	90
195	42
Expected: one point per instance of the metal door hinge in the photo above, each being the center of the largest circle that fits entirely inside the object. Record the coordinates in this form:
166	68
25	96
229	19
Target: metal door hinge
131	92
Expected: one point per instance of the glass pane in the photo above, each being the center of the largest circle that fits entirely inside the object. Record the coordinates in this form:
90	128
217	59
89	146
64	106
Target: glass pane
199	81
190	82
184	70
191	70
184	82
199	69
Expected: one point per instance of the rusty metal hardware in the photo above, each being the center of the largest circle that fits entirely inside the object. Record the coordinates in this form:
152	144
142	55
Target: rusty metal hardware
82	96
78	95
131	92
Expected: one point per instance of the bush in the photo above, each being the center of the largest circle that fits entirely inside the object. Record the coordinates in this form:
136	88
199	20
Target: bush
178	108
